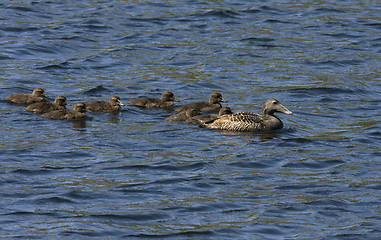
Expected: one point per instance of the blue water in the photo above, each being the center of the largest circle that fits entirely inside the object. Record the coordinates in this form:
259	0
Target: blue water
136	176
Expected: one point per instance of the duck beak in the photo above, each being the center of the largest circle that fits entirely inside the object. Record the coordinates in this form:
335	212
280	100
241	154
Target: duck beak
286	111
121	103
223	100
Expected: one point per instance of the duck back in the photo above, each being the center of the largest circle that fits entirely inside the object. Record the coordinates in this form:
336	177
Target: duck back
77	113
245	122
213	104
43	107
165	102
185	116
147	102
98	106
200	106
27	98
112	106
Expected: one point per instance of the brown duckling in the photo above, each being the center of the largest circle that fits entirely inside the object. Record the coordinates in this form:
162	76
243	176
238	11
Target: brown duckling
43	107
38	95
213	104
248	121
112	106
165	102
201	119
78	113
185	116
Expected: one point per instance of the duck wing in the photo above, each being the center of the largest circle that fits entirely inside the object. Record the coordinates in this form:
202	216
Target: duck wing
199	106
144	102
42	107
97	105
57	114
181	116
241	122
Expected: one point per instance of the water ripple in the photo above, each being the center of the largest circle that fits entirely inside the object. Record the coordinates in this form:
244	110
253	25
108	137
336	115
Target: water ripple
134	175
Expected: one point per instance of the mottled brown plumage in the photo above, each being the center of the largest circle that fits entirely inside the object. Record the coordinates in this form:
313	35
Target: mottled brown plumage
78	113
165	102
112	106
213	104
43	107
38	95
248	121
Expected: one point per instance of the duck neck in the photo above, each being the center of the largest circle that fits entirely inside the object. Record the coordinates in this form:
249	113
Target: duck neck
217	104
271	121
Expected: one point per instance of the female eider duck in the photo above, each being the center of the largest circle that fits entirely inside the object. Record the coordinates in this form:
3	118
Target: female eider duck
201	119
213	104
38	95
166	101
43	107
112	106
78	113
185	116
248	121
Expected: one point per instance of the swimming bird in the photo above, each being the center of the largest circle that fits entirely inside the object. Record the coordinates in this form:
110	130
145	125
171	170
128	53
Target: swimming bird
112	106
213	104
77	113
43	107
201	119
38	95
248	121
166	101
185	116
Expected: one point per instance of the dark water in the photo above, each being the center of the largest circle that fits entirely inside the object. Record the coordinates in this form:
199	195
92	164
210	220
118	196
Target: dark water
135	176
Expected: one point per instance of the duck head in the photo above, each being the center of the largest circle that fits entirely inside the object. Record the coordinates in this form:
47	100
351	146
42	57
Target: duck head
216	97
115	101
39	92
80	107
61	100
272	106
168	96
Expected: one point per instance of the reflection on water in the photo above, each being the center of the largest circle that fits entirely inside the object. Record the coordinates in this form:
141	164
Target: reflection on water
230	136
80	125
134	175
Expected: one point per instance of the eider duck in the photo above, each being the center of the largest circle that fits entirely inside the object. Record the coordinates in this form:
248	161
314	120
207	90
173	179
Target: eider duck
201	119
112	106
78	113
248	121
166	101
185	116
43	107
213	104
38	95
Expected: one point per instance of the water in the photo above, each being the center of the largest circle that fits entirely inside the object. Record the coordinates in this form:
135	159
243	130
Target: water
135	176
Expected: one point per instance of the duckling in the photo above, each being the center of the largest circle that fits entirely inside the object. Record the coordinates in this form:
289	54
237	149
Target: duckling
166	101
43	107
201	119
185	116
248	121
78	113
213	104
38	95
112	106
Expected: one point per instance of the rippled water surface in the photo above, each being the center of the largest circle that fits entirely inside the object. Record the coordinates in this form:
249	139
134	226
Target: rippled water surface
136	176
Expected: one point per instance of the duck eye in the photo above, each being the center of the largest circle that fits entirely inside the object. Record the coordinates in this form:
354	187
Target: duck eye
275	102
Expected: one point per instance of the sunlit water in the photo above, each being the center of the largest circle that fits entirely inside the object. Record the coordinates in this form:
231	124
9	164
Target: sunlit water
135	175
